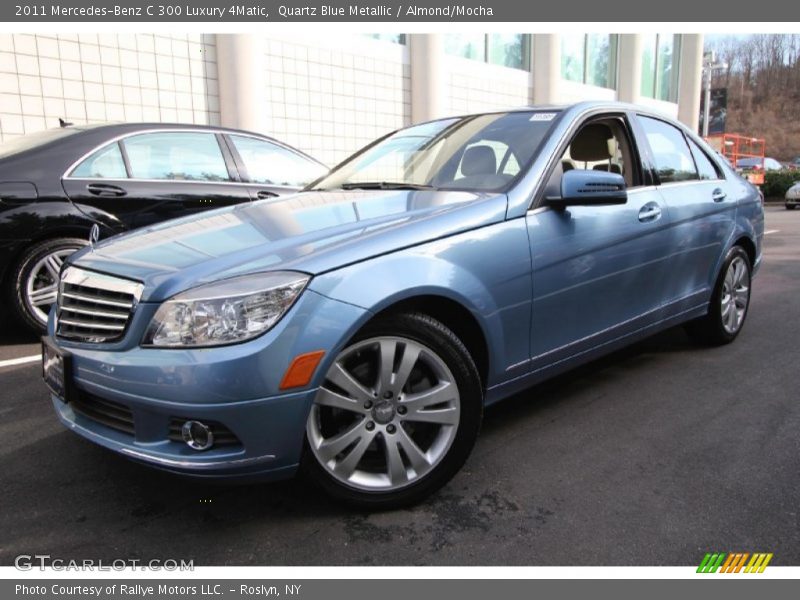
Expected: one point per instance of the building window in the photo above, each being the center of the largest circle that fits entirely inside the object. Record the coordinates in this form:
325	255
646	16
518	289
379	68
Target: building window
509	49
395	38
506	49
661	66
590	59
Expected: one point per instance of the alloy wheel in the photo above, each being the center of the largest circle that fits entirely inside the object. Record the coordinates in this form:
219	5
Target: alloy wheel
386	414
41	286
735	295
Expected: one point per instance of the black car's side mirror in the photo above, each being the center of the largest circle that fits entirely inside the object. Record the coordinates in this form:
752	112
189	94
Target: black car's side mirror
581	187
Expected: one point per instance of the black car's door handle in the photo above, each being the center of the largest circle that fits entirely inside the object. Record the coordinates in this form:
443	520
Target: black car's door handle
718	195
105	191
264	194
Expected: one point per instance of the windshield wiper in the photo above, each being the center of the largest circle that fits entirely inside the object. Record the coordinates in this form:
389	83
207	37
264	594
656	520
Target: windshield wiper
385	185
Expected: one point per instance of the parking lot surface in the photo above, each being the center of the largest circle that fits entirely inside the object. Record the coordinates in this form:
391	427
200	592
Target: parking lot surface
651	456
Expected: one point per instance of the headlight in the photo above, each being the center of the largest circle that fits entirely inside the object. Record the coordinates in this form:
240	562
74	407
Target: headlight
225	312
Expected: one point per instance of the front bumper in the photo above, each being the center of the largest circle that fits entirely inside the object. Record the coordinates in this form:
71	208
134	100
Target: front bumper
129	399
269	434
792	199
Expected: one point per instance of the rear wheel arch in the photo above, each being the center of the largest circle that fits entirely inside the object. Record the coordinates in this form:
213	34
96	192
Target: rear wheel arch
749	247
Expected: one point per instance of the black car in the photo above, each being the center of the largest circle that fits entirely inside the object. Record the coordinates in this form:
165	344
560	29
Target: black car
55	185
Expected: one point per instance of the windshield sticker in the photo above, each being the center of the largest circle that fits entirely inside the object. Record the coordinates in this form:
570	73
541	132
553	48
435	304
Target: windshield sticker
542	117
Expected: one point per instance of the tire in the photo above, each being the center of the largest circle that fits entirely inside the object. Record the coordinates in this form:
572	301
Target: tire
358	430
34	280
790	206
727	312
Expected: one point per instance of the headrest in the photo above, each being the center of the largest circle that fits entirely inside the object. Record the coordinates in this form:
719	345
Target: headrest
591	143
479	160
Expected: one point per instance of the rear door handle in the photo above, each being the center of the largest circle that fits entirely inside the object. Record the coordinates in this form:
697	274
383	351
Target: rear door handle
650	212
105	191
264	194
718	195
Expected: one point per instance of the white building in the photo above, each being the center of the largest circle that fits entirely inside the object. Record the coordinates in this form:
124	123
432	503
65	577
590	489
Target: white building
330	96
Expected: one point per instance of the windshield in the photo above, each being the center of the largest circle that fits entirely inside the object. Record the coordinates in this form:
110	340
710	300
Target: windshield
32	140
475	153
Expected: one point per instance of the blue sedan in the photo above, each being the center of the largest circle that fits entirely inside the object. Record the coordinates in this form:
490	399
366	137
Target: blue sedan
356	331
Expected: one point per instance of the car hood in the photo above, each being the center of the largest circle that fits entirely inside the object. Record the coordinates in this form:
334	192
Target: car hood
312	232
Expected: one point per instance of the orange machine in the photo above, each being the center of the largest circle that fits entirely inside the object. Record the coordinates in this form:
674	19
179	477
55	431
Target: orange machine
734	147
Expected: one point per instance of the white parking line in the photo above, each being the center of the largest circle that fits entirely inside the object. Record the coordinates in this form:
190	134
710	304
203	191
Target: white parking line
768	231
20	361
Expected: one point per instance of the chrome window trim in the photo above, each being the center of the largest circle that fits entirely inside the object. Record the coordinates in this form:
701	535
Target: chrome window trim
162	181
688	182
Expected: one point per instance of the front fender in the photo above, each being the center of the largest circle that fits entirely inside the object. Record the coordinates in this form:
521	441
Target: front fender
487	271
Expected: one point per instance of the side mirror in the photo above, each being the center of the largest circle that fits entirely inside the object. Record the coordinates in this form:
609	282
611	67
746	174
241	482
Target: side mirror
581	187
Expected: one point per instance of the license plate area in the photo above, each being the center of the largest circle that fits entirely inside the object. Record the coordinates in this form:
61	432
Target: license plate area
56	370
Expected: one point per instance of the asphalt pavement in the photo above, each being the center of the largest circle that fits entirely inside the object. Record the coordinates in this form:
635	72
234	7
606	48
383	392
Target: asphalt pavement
652	456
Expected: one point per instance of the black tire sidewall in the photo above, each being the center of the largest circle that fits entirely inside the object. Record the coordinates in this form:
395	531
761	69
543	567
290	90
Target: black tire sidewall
22	271
433	334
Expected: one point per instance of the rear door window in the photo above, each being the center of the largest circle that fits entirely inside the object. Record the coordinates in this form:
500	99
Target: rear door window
705	168
673	159
105	163
181	156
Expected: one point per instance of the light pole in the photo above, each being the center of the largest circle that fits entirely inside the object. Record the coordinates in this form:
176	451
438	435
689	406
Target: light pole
709	66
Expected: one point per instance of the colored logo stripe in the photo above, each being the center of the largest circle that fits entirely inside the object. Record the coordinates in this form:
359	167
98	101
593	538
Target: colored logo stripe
711	562
734	562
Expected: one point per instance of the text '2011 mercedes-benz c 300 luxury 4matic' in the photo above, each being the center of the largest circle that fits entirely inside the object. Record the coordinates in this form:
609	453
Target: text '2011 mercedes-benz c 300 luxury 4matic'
357	330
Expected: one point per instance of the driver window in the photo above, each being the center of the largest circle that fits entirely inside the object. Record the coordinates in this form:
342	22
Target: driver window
599	146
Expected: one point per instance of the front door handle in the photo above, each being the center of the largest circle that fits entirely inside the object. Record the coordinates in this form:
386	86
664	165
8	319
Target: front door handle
105	191
718	195
650	212
264	194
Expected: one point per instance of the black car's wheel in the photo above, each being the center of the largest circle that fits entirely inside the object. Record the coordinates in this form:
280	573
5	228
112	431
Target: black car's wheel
397	415
729	302
34	280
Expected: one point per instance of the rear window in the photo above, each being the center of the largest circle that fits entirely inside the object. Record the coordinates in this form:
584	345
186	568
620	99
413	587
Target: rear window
34	140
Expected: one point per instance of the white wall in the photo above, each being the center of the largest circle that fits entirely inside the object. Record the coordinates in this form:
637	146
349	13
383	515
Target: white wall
330	98
475	86
327	95
91	78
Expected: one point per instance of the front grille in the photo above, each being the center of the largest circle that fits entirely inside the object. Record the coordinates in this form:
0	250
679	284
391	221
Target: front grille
108	413
222	435
93	307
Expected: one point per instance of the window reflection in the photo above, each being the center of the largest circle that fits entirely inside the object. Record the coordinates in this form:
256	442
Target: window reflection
660	66
505	49
590	59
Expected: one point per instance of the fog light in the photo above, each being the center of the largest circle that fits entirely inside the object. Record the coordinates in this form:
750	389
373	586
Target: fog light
197	435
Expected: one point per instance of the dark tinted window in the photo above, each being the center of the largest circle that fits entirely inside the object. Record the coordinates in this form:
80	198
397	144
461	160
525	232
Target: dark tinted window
705	168
271	164
104	163
672	156
176	155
